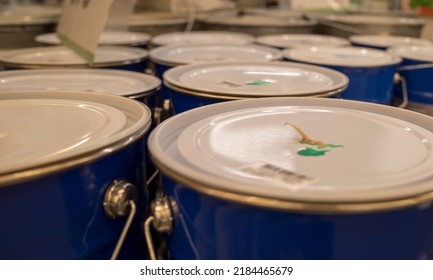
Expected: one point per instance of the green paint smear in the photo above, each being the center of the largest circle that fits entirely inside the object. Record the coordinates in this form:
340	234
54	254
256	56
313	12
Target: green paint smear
309	151
334	146
315	152
258	83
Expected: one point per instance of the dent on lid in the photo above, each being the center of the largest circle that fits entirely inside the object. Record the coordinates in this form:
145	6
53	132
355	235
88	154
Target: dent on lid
110	81
202	37
60	55
347	56
309	152
256	79
212	53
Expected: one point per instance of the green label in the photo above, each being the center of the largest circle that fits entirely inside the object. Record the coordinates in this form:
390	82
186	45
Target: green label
258	83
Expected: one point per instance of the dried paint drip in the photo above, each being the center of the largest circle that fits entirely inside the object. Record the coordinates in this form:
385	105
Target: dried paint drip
315	147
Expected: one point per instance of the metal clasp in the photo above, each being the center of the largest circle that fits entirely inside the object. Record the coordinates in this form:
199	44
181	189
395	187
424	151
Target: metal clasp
398	78
162	113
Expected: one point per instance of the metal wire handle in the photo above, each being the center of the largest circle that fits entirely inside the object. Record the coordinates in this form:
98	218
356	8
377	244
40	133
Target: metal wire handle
151	178
161	220
404	91
160	114
132	211
148	235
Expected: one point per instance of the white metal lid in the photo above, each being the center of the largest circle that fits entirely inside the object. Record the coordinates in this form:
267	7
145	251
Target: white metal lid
44	128
301	41
346	56
378	153
259	79
106	38
63	56
373	20
155	19
386	41
186	54
117	82
25	14
421	53
256	20
272	12
202	37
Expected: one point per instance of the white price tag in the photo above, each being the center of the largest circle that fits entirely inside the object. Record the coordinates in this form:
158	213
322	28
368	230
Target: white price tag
293	180
81	25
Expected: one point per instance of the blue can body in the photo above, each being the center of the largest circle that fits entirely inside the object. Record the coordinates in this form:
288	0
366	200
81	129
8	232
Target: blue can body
182	102
61	216
159	71
140	66
206	227
370	84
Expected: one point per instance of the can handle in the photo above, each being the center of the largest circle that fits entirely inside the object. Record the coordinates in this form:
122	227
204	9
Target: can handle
120	200
402	80
161	220
162	113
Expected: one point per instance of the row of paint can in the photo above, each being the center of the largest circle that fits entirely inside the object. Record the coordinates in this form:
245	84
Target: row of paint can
240	180
234	186
21	23
237	176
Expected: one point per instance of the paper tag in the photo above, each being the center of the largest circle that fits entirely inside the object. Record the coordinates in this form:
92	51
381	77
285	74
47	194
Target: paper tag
292	179
81	25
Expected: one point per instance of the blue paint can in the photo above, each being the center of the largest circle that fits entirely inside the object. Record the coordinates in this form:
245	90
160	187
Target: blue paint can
70	156
416	69
201	84
383	42
239	185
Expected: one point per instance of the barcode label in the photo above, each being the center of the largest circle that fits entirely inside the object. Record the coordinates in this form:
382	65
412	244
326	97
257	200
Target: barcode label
271	171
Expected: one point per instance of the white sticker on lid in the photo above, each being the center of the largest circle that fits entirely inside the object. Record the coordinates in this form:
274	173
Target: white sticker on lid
268	170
